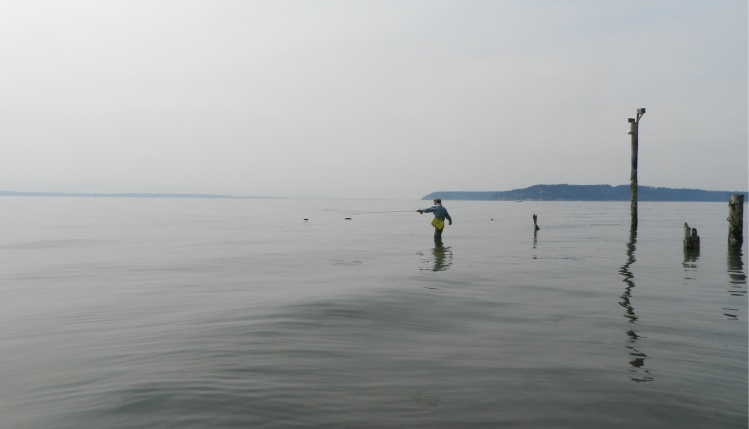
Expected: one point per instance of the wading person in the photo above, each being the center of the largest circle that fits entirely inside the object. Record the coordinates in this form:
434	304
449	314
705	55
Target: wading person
440	214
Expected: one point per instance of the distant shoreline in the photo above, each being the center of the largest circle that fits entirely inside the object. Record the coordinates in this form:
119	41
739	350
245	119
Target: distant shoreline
589	193
533	193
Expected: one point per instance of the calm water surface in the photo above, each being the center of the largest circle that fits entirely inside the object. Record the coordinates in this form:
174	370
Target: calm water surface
190	313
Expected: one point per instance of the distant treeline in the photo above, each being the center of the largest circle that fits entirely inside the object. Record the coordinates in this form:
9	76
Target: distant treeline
587	193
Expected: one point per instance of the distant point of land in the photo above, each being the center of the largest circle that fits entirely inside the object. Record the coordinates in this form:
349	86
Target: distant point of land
587	193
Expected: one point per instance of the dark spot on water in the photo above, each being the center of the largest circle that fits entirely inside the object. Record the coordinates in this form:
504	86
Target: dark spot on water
426	400
347	263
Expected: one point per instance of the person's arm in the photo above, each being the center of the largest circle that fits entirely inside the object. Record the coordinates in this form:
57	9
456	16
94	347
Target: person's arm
447	216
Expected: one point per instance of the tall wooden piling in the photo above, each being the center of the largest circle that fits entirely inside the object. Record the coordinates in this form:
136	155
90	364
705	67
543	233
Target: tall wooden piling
633	131
736	219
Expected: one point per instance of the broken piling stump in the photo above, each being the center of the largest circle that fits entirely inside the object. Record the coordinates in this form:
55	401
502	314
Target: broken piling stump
691	239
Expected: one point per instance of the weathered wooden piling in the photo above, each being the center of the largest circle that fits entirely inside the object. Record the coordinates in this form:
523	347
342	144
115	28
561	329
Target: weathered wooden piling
633	131
535	222
736	219
691	239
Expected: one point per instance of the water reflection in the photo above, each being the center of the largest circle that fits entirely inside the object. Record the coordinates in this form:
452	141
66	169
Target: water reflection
535	242
636	356
736	279
736	275
691	256
629	278
442	259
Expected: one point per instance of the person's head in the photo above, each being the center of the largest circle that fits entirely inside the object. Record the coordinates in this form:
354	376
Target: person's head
437	201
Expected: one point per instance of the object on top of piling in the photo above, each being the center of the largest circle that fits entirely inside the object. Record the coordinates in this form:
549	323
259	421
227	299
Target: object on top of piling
691	239
535	222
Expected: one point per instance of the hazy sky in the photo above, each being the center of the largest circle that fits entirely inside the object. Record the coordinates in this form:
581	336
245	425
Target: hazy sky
369	99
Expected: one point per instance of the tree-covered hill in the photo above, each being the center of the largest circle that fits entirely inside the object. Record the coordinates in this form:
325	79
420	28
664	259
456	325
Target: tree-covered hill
587	193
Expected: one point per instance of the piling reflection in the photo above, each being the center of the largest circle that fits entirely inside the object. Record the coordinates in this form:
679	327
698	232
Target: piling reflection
629	279
736	274
639	371
736	279
691	256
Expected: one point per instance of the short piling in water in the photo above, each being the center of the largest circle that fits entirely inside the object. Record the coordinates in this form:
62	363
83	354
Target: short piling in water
736	219
535	222
691	239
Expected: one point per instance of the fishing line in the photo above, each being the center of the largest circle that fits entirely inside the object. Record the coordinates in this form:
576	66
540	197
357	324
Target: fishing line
386	211
377	212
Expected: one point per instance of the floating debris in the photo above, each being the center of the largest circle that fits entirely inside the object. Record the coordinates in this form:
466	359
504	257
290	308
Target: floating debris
346	263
